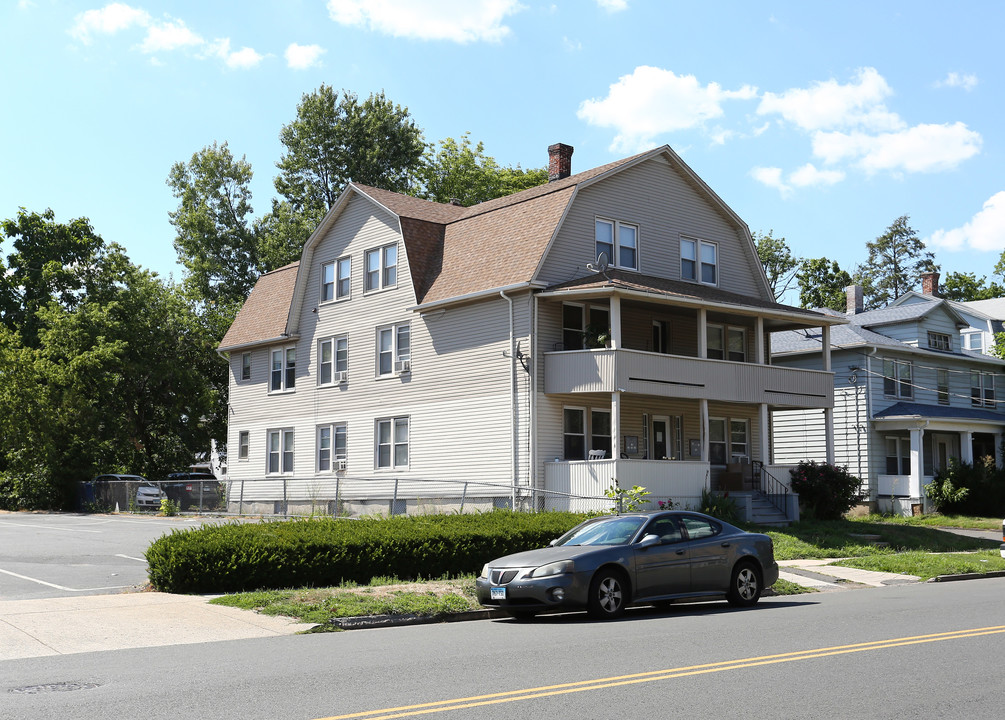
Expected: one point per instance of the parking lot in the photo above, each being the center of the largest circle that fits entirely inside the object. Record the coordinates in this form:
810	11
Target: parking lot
48	555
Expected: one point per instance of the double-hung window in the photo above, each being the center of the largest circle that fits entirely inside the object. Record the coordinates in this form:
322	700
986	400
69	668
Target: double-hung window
699	261
243	445
280	456
974	341
739	447
600	431
982	389
392	443
898	456
333	360
619	241
335	279
726	343
283	374
331	446
574	433
246	366
381	268
394	349
939	341
717	441
897	378
942	381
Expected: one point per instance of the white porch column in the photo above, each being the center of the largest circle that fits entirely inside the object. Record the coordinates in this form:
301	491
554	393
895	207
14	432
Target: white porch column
825	339
703	337
967	446
615	322
917	463
759	341
998	449
703	419
615	424
765	434
829	435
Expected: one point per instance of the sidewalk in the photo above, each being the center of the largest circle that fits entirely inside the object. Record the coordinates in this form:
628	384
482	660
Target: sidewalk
62	626
819	575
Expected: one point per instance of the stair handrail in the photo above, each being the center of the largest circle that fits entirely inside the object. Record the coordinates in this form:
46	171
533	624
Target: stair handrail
771	487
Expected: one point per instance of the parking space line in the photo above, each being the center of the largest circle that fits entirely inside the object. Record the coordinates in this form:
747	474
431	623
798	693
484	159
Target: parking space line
61	587
130	557
47	527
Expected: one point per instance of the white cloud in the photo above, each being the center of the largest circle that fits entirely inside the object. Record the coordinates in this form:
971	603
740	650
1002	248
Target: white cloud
651	102
808	175
571	45
460	21
985	231
302	57
968	81
829	104
24	4
107	21
772	177
922	148
613	6
234	59
169	35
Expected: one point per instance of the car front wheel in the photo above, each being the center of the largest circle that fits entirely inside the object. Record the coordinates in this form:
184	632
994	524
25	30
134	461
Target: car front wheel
608	594
745	585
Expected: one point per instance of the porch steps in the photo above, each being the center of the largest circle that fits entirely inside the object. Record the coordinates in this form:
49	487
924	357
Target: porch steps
764	513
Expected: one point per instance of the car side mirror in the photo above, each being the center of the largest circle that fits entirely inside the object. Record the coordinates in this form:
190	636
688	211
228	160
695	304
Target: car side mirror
648	541
552	543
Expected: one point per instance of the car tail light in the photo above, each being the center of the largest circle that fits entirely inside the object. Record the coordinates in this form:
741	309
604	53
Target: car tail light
188	488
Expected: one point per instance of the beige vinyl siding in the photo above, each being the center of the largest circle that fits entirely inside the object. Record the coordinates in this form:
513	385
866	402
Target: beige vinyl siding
664	206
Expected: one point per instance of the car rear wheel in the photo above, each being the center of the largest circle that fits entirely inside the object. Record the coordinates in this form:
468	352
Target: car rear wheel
608	594
745	585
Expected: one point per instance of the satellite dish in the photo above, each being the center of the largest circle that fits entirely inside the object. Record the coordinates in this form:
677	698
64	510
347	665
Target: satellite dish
601	265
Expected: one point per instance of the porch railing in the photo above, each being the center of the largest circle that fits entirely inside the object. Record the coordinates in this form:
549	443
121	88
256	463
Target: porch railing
776	491
570	484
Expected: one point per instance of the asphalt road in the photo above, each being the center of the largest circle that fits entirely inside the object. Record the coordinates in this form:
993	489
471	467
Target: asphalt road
61	555
925	651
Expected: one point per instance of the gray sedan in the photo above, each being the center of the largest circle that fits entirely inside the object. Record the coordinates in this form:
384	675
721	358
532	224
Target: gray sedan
607	563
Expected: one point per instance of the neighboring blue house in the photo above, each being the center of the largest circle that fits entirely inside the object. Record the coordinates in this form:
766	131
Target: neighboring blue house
907	397
984	318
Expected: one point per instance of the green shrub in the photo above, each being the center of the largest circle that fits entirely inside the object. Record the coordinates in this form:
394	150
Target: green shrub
965	489
720	506
322	552
31	489
826	492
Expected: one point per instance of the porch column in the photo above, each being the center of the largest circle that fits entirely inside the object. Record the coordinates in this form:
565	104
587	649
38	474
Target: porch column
998	449
917	463
759	341
703	337
615	425
829	435
703	419
825	339
765	434
967	446
615	322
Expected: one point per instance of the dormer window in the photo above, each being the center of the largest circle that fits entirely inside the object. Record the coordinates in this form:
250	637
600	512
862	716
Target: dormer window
939	341
619	241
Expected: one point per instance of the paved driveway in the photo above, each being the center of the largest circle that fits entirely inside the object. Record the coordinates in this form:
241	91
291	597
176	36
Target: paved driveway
46	555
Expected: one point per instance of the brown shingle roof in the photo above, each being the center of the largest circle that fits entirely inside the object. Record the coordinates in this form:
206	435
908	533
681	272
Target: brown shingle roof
263	315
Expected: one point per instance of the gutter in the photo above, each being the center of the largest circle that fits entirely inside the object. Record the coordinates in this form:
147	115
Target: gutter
257	343
477	295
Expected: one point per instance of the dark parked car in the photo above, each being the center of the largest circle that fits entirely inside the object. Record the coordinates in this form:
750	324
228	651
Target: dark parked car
608	563
193	490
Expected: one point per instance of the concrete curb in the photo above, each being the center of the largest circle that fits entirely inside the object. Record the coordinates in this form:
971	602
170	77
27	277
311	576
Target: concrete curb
968	576
361	622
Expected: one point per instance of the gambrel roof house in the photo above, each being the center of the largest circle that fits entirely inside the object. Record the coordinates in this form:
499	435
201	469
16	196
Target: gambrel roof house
424	354
908	397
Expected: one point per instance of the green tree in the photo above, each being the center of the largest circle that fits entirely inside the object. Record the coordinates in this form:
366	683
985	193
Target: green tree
51	262
283	232
896	260
780	265
964	287
822	284
464	173
215	240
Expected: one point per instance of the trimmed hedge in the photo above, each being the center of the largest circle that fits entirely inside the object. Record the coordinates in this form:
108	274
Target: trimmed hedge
323	552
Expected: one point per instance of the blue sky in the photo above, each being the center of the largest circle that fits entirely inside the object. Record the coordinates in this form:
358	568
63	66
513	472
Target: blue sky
823	122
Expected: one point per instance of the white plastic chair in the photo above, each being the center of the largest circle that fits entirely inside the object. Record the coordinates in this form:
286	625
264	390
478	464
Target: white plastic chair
597	454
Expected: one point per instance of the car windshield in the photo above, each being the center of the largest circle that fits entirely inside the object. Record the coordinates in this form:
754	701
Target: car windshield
613	531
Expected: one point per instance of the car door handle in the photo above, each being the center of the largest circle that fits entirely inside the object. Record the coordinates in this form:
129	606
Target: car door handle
725	544
680	552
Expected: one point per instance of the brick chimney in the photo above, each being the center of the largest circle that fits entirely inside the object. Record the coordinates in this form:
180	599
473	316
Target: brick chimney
930	284
559	161
855	300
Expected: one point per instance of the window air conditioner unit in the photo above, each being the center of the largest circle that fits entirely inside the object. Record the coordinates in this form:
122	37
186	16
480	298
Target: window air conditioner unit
403	366
340	465
341	377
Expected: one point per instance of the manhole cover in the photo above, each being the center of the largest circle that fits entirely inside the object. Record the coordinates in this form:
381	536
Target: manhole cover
53	687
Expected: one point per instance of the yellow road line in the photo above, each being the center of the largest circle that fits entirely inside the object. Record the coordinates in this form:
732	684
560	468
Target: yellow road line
667	674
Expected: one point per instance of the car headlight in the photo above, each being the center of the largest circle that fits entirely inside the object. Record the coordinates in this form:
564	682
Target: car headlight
555	568
485	571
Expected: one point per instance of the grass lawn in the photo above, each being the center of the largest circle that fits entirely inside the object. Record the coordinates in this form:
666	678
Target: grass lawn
936	520
926	565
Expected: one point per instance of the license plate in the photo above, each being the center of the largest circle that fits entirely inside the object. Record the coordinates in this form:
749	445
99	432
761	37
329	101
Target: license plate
497	593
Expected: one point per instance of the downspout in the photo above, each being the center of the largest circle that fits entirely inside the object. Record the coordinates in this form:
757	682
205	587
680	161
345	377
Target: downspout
868	421
512	403
532	440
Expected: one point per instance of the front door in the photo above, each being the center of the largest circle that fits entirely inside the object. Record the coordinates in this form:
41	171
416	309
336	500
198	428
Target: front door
943	448
661	437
